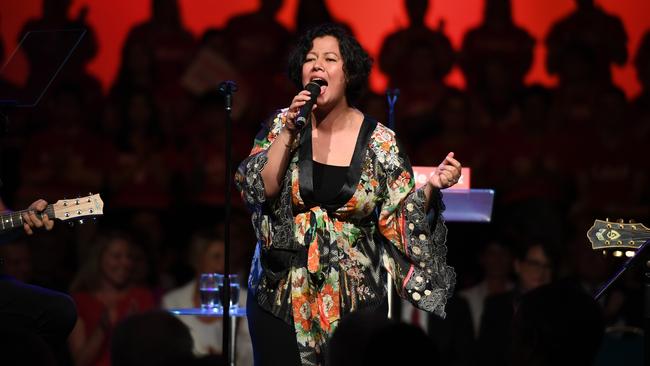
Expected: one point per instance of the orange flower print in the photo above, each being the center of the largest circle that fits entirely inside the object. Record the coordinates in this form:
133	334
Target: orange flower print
352	203
302	312
295	191
329	299
338	226
299	219
388	229
313	256
385	146
404	178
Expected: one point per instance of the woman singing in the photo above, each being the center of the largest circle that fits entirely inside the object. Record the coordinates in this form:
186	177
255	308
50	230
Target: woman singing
335	210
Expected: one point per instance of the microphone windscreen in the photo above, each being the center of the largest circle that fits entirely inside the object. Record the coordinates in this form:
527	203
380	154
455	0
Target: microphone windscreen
313	87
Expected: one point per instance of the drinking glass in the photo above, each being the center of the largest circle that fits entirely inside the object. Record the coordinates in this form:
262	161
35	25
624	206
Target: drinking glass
209	287
234	291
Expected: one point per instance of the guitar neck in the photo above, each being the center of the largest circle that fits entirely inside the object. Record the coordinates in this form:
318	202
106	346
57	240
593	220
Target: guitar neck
14	220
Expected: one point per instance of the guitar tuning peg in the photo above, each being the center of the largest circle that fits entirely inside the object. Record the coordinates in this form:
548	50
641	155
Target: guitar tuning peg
620	221
71	223
81	221
632	221
606	219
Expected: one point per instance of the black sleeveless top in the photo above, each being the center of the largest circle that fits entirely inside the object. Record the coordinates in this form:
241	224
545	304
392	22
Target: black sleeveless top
340	183
328	181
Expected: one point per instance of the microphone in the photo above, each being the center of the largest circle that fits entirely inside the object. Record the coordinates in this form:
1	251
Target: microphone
313	87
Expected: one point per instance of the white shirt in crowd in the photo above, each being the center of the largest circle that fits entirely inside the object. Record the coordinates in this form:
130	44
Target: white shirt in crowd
207	336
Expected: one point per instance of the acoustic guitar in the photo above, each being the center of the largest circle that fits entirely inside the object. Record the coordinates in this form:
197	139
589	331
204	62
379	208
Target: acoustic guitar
76	209
619	238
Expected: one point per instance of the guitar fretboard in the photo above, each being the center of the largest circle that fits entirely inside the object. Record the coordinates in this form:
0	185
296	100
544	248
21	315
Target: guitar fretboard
13	220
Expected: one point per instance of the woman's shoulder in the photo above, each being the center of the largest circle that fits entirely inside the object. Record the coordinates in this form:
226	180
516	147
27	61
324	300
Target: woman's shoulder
277	119
382	139
272	124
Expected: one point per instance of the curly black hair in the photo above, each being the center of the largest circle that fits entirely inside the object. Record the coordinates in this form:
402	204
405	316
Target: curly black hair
356	62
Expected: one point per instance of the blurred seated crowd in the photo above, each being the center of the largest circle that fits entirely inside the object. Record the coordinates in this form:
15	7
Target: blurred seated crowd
153	145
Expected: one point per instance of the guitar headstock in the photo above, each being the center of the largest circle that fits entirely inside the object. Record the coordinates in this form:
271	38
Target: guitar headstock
617	236
78	208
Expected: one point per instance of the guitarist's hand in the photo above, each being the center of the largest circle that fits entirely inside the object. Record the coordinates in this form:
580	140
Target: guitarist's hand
32	221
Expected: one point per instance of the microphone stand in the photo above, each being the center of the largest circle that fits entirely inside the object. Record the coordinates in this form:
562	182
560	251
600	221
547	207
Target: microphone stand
227	88
391	96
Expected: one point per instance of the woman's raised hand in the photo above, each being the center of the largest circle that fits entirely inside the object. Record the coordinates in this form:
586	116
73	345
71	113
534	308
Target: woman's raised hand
298	101
447	174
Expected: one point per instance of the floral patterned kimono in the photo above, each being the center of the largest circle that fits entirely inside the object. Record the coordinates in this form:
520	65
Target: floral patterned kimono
315	263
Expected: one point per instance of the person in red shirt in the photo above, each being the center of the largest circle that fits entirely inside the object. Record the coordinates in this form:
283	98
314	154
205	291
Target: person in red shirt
105	295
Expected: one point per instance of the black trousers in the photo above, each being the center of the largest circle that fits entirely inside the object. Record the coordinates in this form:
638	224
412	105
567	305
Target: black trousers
274	341
46	313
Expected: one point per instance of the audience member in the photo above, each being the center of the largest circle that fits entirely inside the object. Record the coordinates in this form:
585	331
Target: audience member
311	13
143	165
48	49
610	138
533	268
495	260
66	156
8	90
369	339
416	60
495	57
556	325
592	28
207	256
162	47
204	156
256	36
450	129
641	104
105	295
153	338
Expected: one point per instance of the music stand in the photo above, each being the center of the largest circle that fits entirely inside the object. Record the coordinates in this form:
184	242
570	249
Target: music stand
33	83
468	205
462	203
